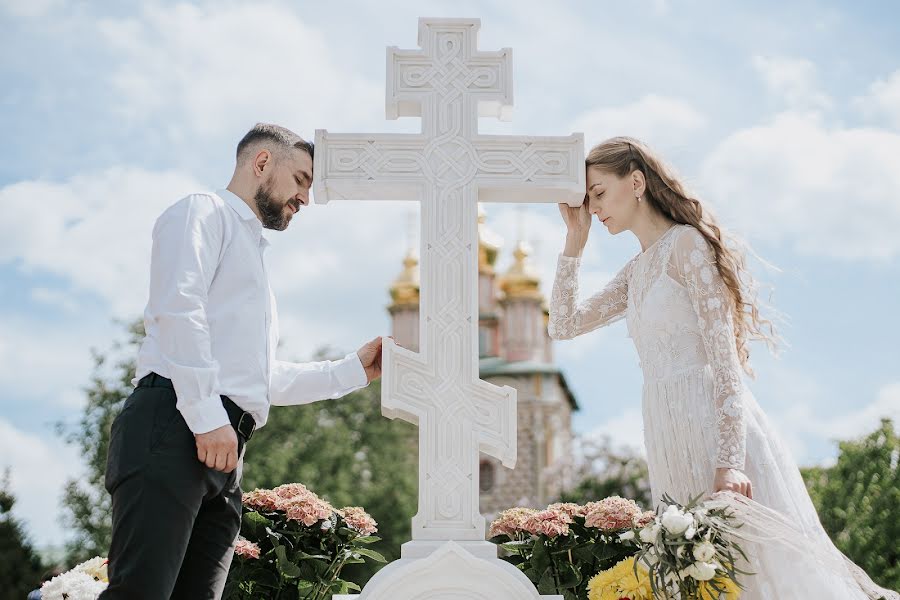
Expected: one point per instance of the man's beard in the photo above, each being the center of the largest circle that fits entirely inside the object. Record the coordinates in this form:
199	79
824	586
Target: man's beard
271	212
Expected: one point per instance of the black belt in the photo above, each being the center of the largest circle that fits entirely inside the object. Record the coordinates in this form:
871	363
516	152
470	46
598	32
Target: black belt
241	420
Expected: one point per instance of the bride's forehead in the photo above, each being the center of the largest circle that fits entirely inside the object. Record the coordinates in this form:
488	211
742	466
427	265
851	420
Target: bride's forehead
596	176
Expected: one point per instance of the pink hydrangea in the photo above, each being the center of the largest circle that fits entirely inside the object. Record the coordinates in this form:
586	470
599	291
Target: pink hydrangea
510	521
292	490
246	549
260	499
645	518
551	523
569	508
359	519
611	514
308	510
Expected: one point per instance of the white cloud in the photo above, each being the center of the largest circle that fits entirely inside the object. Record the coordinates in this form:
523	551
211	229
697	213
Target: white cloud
792	81
202	70
662	122
883	100
93	230
39	467
821	190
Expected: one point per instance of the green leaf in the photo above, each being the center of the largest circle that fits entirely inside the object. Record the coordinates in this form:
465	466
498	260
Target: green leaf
285	566
376	556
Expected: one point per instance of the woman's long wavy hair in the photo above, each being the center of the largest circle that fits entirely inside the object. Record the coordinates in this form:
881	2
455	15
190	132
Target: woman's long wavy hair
622	156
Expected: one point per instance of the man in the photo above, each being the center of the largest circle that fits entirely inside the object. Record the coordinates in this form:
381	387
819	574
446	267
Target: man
206	376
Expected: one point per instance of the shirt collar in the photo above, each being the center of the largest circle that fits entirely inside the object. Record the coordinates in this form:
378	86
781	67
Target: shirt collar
245	213
239	206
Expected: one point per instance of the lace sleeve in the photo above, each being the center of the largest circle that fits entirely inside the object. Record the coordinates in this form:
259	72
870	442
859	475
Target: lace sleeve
568	319
695	264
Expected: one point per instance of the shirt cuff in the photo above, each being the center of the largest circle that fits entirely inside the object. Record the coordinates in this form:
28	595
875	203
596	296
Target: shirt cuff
203	416
350	373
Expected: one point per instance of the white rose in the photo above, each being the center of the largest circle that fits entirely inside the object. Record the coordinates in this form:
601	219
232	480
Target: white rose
628	535
690	533
702	571
675	521
704	551
648	534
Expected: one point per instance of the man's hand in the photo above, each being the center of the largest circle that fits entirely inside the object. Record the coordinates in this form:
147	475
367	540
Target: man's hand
732	480
370	357
217	449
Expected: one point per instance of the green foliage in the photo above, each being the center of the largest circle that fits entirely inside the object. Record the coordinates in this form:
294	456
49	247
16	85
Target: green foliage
20	566
858	500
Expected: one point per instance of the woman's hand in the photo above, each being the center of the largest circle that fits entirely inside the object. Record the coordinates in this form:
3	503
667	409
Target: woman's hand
578	225
732	480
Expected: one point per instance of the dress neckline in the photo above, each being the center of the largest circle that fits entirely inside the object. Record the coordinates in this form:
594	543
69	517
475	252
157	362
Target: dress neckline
659	239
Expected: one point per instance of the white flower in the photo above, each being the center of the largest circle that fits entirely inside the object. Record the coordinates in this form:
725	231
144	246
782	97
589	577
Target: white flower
690	532
648	534
96	568
704	551
675	521
680	552
701	571
73	585
628	535
650	560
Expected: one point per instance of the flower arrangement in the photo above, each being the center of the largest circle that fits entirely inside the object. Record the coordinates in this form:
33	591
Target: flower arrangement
561	547
83	582
294	544
612	550
686	553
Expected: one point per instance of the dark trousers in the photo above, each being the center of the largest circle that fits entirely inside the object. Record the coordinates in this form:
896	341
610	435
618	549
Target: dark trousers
174	520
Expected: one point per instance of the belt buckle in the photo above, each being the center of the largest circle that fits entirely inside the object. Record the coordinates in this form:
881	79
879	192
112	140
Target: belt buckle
249	425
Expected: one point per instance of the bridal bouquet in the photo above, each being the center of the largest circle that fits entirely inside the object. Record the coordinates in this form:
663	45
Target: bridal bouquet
560	547
293	545
84	582
682	553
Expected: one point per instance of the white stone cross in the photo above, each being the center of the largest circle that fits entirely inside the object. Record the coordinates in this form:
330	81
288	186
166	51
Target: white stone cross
449	167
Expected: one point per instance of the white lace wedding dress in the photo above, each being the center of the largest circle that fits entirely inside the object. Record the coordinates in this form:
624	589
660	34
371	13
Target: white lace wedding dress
698	415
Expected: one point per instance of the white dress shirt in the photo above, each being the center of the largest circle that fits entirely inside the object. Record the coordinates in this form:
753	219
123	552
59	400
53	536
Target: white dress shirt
211	322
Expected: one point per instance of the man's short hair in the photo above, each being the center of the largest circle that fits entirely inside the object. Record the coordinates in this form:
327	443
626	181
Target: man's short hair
278	137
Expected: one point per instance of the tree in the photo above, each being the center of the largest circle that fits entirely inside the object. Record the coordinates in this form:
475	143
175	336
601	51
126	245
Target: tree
20	566
858	500
87	507
604	471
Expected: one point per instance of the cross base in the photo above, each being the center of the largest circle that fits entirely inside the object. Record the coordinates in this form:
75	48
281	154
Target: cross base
449	571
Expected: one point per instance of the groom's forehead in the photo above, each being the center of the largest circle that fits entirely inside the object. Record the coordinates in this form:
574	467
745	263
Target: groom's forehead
299	160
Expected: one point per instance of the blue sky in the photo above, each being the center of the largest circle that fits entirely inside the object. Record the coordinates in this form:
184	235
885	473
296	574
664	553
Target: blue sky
785	117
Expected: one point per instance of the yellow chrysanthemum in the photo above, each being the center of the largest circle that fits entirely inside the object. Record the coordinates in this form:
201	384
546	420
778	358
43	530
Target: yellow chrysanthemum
620	582
731	591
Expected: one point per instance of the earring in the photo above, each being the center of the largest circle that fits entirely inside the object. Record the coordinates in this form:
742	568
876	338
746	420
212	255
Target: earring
639	198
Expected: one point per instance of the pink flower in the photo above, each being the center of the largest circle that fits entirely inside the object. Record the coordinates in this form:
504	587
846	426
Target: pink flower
510	521
645	518
292	490
611	514
569	508
551	523
309	510
260	499
246	549
359	519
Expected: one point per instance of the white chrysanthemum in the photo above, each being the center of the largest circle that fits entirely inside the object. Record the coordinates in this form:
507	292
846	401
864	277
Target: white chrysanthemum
73	585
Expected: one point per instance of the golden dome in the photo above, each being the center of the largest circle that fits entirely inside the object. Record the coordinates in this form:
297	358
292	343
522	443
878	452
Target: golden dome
489	244
405	289
522	280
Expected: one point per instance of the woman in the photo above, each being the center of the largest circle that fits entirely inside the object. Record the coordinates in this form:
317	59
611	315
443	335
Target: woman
688	302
